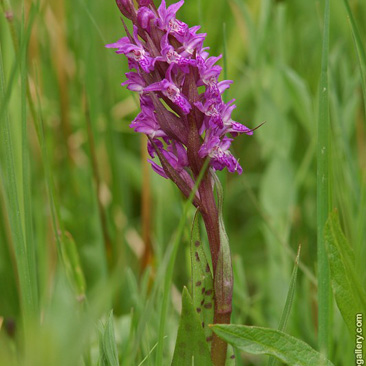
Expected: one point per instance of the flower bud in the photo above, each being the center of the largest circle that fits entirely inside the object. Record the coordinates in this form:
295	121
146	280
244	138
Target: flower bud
144	2
127	8
144	16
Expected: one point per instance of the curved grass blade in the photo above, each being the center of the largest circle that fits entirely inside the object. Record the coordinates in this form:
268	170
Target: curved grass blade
264	341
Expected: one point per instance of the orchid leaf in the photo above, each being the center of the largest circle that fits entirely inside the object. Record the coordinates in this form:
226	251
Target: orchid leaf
202	282
264	341
191	347
230	356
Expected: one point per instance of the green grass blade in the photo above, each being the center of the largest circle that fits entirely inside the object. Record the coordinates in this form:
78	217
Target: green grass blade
289	301
148	355
24	259
191	342
324	303
26	183
53	202
347	288
290	294
19	50
108	346
263	341
67	250
72	264
361	53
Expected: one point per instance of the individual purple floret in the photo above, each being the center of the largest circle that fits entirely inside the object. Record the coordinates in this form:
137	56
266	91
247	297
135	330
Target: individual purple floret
168	22
135	52
170	64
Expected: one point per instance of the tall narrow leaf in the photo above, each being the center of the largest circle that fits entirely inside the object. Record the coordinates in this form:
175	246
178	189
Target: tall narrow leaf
14	192
26	181
324	304
360	50
347	288
289	301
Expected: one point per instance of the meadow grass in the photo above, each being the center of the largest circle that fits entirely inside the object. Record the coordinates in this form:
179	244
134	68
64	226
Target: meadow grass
86	228
323	193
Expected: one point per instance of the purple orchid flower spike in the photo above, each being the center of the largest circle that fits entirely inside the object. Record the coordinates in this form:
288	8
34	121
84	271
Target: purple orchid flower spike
185	118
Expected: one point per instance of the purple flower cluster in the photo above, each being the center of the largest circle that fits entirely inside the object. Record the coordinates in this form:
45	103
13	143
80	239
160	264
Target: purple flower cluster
182	109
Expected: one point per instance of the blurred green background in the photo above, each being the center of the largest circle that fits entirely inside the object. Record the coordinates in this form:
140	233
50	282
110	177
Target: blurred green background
84	223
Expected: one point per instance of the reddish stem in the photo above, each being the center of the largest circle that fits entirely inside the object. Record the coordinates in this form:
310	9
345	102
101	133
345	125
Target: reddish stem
210	217
209	213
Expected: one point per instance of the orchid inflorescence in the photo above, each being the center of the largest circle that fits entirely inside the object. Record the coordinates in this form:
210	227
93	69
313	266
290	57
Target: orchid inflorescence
182	110
188	125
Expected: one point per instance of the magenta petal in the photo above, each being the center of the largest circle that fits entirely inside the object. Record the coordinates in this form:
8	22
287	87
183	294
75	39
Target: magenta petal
158	169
